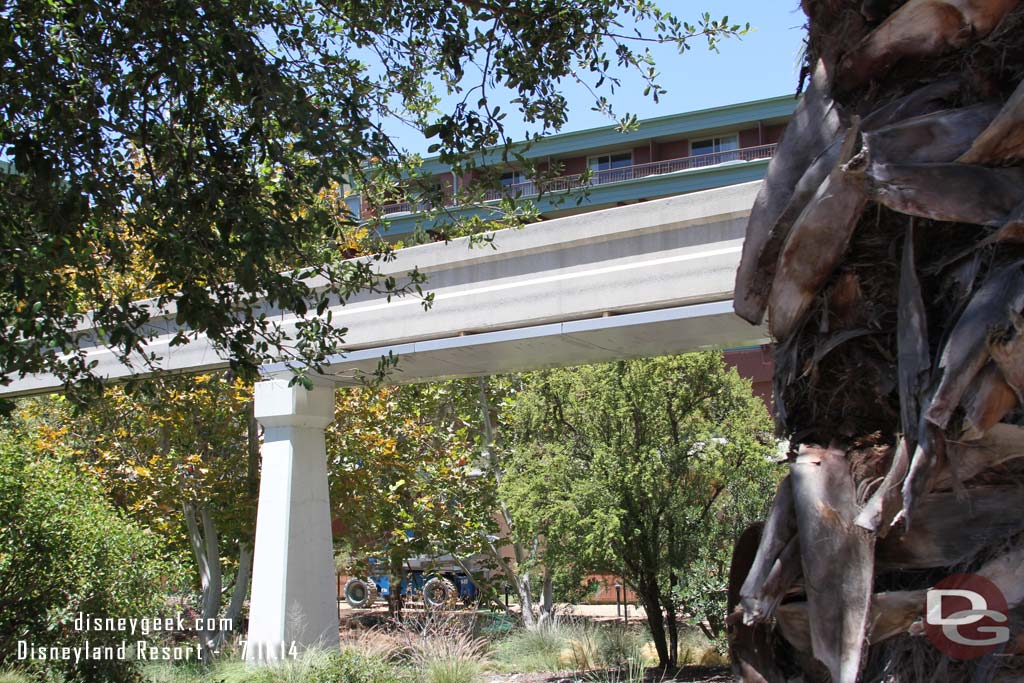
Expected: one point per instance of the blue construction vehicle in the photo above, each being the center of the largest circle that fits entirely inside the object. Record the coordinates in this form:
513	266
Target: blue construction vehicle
438	581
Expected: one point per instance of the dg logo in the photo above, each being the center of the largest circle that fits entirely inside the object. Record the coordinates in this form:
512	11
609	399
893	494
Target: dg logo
965	616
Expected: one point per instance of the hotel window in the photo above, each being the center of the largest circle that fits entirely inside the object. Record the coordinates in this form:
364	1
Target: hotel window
512	178
606	162
722	143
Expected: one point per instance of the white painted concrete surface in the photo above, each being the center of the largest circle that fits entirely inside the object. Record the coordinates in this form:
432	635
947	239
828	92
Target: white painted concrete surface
592	340
293	594
664	254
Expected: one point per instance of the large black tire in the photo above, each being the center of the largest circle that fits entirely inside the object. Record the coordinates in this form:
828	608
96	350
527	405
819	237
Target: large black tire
360	593
440	593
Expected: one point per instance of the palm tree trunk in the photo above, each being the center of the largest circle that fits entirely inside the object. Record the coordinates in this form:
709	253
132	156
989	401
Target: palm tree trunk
886	248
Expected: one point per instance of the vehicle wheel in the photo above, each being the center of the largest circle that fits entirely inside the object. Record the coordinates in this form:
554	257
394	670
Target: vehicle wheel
439	592
360	593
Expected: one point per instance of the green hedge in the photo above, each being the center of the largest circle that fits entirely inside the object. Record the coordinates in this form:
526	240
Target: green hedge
64	549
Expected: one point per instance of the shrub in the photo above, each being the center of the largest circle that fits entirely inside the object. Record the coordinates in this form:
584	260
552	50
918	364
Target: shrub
375	643
533	650
14	677
632	670
591	646
442	648
64	549
319	666
313	666
166	672
351	667
571	645
619	645
451	670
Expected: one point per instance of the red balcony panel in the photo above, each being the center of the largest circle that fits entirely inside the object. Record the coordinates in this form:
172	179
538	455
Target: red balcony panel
751	137
677	149
774	133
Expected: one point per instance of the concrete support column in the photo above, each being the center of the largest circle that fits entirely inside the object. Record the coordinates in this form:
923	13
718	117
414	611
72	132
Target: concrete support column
293	586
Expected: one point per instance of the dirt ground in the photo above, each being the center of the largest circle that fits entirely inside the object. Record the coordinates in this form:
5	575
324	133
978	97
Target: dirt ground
361	618
596	612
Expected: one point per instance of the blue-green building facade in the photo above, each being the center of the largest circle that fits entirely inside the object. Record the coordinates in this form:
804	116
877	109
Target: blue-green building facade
664	156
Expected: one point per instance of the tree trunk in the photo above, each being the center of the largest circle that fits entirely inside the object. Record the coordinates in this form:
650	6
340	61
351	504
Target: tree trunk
214	626
241	589
650	596
672	626
208	564
672	620
886	246
395	601
252	478
526	601
517	578
546	609
511	577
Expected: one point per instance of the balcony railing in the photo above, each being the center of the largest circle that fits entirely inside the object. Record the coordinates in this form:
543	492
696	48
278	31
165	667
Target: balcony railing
404	207
613	175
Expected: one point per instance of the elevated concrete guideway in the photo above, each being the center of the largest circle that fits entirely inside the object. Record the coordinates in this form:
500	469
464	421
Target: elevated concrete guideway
639	280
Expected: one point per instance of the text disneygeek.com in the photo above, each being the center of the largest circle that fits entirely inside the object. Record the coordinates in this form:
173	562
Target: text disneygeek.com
140	649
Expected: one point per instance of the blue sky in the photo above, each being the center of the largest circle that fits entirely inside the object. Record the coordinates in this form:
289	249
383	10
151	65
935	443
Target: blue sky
764	63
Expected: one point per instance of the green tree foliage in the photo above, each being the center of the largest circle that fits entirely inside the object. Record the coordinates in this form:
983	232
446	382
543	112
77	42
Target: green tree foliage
65	549
210	141
180	455
405	479
645	469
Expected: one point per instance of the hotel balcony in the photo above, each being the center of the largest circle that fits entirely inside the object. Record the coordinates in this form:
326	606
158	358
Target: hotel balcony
634	172
639	181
